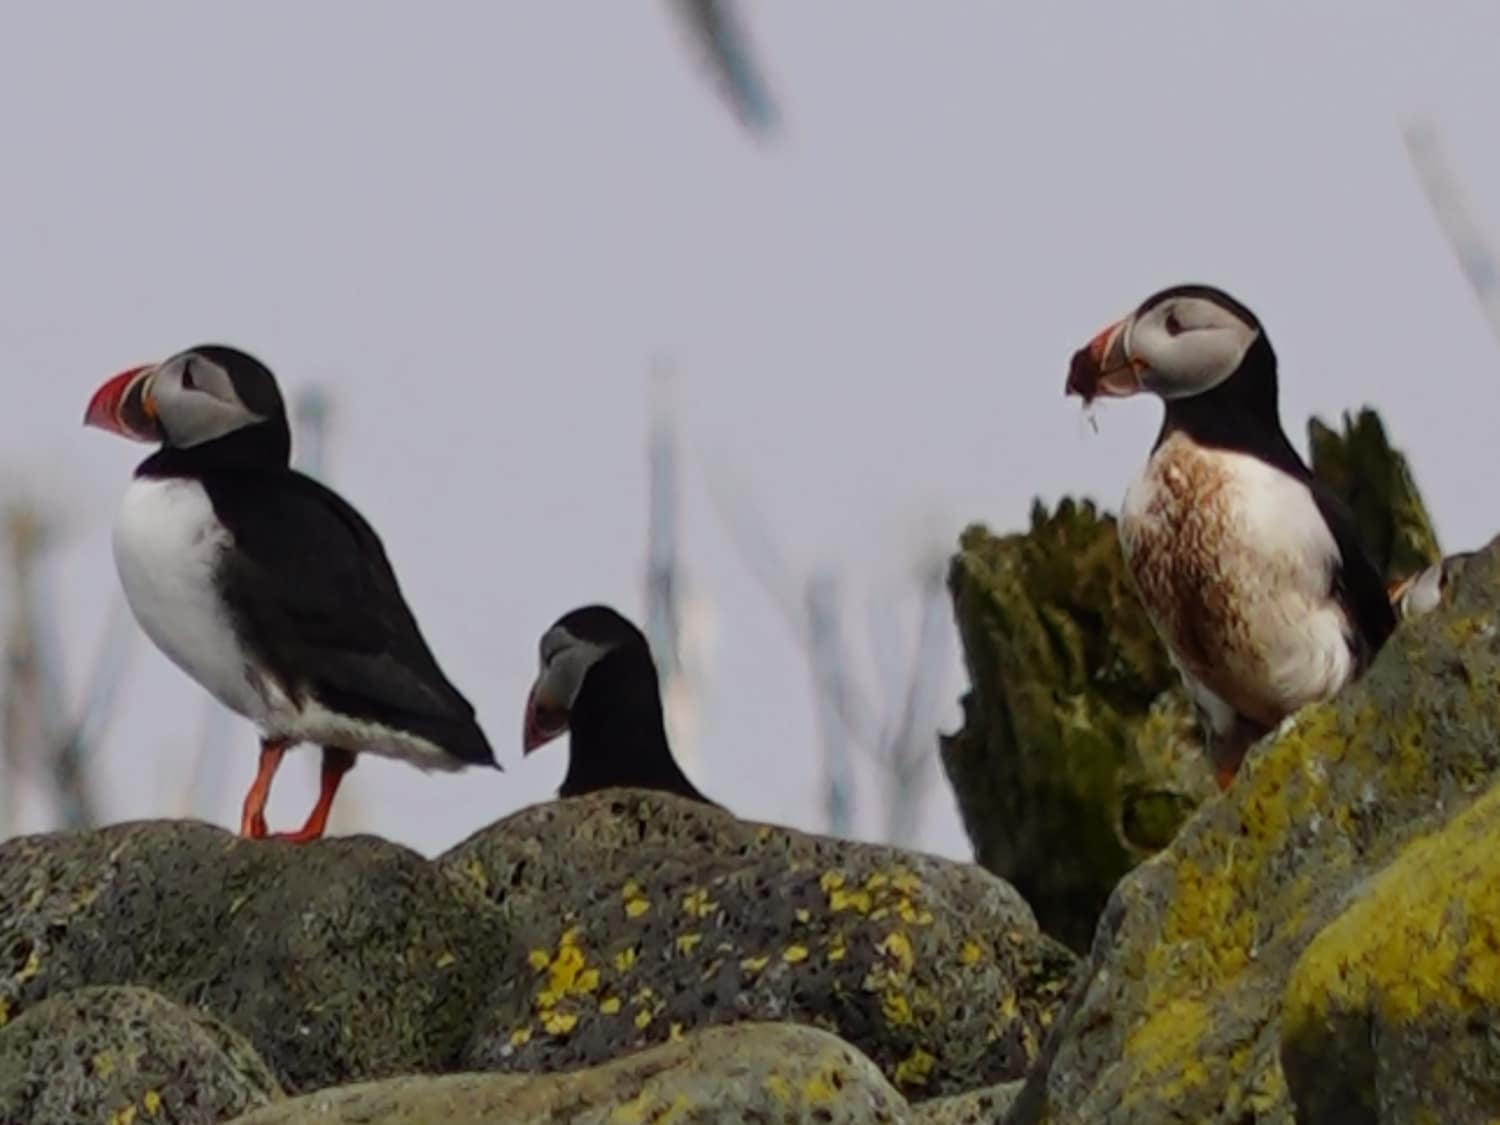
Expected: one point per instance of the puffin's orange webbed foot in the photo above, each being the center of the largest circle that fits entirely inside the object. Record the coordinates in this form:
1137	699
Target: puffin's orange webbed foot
336	763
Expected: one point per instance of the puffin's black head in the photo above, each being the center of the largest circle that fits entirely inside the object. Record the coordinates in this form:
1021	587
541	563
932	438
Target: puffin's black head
575	644
1180	343
198	396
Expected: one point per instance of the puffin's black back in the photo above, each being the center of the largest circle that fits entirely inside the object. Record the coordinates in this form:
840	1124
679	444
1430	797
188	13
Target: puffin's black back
314	596
1242	415
618	732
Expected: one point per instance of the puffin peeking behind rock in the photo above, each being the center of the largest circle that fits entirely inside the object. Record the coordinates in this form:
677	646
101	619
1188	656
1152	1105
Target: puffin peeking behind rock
598	682
1424	591
267	588
1251	571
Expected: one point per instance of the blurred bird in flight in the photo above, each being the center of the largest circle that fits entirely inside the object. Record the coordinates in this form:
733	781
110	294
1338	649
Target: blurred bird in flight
716	26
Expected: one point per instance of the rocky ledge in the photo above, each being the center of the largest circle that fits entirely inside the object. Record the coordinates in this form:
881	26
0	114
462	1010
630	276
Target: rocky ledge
186	975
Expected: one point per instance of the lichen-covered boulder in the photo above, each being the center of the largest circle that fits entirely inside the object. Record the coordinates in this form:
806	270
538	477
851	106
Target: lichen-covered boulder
752	1072
1064	737
666	916
1076	729
1340	871
346	958
1393	1011
126	1054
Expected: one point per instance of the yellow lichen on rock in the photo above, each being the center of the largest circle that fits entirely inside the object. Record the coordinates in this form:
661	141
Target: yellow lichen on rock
1415	959
568	973
1326	932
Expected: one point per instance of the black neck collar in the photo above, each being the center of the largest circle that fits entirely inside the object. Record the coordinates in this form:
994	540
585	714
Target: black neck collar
264	446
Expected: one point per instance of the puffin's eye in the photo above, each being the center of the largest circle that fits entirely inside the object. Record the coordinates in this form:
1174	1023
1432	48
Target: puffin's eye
188	383
1174	326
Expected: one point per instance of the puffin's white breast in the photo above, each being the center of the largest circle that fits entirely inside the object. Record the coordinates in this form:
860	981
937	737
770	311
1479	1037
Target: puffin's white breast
167	545
1234	562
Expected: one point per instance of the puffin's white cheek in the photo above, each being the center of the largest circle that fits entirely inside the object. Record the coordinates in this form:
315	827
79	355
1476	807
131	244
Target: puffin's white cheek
1199	362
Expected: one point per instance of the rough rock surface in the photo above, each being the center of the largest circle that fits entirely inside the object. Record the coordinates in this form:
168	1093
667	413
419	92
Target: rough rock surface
345	959
1393	1012
1076	728
126	1054
569	934
750	1072
692	918
1349	869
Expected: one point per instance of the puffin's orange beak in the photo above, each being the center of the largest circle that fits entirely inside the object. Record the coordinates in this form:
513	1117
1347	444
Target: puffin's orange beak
124	406
1102	367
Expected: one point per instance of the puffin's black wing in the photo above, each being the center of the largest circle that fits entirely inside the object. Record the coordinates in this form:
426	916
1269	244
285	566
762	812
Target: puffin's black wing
1357	585
314	596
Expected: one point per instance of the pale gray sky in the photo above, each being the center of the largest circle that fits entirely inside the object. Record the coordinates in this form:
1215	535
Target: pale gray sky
479	221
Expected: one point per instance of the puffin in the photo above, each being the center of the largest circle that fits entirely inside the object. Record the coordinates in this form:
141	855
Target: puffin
597	680
266	587
1424	591
1252	573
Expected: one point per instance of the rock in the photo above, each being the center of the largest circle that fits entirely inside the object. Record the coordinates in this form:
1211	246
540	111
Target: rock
1393	1011
124	1054
1077	728
1349	870
344	958
689	918
751	1072
981	1107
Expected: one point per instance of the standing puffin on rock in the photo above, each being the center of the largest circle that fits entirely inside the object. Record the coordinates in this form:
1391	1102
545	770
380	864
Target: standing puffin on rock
598	681
1251	571
267	588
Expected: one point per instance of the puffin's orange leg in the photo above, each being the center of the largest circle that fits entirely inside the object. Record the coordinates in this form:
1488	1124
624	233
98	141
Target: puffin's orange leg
336	763
253	816
1228	751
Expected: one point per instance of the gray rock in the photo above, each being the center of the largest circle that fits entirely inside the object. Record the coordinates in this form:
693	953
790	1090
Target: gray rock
980	1107
752	1072
667	916
122	1055
1333	912
346	958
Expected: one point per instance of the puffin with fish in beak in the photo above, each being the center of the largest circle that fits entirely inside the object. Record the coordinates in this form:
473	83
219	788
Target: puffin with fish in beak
1251	571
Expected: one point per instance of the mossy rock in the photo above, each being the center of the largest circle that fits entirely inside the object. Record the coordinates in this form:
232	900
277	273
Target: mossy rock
126	1054
1393	1011
1341	873
667	916
346	958
1079	755
752	1072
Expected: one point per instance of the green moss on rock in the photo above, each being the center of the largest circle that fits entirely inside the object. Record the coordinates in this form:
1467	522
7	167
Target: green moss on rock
1079	755
690	918
119	1055
1360	465
1181	1017
1063	737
